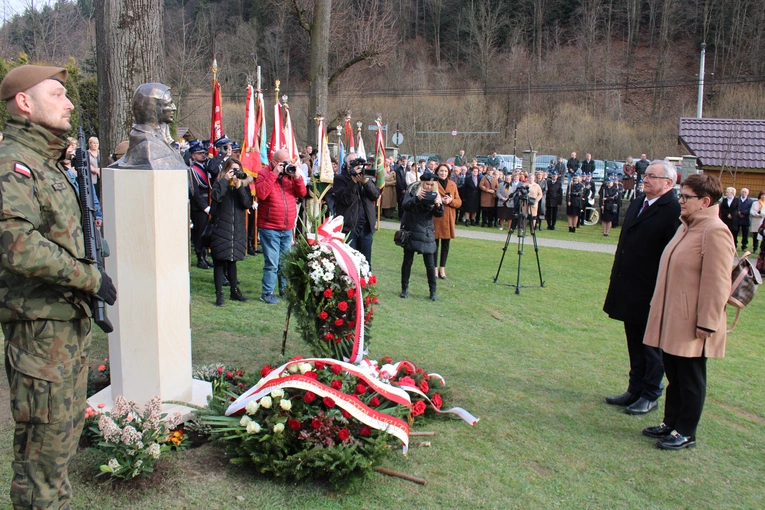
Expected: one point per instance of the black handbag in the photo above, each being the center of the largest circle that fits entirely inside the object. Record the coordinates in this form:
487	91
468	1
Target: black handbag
210	227
613	208
401	237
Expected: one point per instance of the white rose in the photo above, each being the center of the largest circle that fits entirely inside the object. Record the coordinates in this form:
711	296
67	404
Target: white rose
266	402
244	421
252	407
304	367
253	428
279	427
277	393
292	369
285	404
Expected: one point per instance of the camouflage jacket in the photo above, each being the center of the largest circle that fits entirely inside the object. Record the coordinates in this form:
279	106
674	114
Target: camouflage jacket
43	274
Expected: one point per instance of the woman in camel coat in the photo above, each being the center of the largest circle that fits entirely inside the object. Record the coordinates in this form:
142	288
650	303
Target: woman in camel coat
488	188
687	319
444	226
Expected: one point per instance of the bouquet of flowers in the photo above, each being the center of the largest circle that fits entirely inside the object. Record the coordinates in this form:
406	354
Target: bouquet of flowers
432	389
296	432
131	441
324	298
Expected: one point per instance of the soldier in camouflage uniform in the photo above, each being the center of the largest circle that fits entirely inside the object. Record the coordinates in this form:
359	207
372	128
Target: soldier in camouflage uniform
46	287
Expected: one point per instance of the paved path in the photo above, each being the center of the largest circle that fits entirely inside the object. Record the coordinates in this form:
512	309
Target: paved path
541	241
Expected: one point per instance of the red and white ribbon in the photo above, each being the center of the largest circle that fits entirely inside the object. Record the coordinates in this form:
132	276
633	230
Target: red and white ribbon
330	233
454	410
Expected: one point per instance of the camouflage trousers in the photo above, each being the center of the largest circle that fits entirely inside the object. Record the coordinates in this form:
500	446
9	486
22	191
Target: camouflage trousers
47	368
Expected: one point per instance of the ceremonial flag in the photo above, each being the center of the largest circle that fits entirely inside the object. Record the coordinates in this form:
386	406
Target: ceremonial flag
349	136
277	135
289	136
216	123
260	120
360	151
250	150
380	154
341	159
323	162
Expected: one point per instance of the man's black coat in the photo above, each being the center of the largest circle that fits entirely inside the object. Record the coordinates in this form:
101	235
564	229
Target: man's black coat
636	264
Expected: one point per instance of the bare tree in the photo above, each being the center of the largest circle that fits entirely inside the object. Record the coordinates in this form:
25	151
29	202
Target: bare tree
436	8
130	52
486	21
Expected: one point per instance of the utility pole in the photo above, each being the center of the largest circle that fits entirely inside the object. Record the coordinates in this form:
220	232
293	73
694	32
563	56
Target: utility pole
700	103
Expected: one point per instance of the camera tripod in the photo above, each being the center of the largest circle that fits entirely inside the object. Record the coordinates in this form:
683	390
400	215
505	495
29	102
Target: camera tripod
520	229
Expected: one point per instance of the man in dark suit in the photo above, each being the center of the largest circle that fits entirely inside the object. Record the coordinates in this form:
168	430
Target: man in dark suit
744	221
572	166
650	223
400	171
588	165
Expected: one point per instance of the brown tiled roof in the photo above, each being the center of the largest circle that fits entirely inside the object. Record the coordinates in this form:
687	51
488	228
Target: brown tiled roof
725	142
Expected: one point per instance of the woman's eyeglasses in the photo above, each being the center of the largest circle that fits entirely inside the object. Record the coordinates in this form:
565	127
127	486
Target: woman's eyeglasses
683	197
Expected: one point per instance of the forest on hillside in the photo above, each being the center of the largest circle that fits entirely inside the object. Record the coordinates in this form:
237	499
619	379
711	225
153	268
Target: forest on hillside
610	77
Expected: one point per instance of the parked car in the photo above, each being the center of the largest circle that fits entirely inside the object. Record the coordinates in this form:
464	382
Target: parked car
510	161
543	161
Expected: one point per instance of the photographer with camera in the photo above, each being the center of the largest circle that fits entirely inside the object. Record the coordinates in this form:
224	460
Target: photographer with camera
355	194
421	203
278	188
231	198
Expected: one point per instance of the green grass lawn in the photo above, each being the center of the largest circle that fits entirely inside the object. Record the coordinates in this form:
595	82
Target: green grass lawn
534	367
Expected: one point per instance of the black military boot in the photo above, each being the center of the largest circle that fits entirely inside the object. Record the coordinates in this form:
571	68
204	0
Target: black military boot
432	283
236	295
250	247
201	262
207	261
219	299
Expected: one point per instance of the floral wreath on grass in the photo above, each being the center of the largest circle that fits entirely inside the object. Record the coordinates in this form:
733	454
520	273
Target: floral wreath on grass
325	299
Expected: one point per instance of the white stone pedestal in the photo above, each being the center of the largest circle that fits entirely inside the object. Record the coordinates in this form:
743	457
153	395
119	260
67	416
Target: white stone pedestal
146	224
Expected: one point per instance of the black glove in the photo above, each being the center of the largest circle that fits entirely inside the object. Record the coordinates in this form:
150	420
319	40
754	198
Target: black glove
107	292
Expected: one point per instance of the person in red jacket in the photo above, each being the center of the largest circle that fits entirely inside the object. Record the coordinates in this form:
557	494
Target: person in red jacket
278	188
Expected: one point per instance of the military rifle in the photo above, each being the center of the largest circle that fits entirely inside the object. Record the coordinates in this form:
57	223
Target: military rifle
90	232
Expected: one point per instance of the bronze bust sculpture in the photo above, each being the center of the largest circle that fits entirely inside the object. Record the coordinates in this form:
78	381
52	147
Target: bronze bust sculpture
150	149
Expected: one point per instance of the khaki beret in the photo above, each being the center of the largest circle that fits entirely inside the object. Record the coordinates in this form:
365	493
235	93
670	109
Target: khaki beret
24	78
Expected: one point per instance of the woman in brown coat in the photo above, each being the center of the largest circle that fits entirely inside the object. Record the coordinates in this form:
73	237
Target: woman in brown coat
687	319
389	200
488	188
444	226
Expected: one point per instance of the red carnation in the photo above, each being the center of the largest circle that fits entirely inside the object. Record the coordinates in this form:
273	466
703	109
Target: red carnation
424	386
351	324
329	402
365	431
339	322
408	369
336	369
337	384
296	358
323	315
372	279
329	336
407	381
220	370
363	283
318	365
371	312
374	402
367	300
345	414
328	293
239	373
386	360
293	424
370	390
229	375
315	424
312	375
338	340
418	408
375	301
437	400
343	434
265	370
309	397
342	306
361	389
351	293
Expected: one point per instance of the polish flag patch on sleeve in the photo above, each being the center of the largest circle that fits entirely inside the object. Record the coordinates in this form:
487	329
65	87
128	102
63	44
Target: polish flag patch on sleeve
23	170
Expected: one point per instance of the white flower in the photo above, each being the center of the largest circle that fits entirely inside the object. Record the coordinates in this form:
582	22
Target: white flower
277	393
292	369
154	450
304	367
253	428
244	421
114	465
285	404
266	402
252	407
279	427
138	463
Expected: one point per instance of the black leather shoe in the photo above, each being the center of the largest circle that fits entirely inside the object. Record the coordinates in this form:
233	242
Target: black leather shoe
642	406
404	294
676	441
236	295
658	432
625	399
433	296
